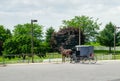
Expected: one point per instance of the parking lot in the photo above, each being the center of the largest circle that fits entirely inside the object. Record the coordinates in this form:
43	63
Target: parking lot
101	71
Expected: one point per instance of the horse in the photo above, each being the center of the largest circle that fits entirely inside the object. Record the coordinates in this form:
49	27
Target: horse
65	53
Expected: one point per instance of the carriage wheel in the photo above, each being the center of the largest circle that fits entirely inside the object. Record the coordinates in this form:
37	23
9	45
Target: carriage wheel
93	60
72	60
85	60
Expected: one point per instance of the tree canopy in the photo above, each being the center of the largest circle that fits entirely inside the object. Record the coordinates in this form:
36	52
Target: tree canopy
66	37
106	36
87	25
21	40
49	33
4	34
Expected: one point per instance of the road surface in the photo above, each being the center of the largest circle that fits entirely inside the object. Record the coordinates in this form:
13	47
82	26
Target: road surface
101	71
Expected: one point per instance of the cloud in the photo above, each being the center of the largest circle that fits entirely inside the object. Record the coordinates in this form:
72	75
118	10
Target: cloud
52	12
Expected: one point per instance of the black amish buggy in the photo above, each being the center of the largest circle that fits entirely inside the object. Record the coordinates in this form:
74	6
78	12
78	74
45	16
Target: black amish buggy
83	54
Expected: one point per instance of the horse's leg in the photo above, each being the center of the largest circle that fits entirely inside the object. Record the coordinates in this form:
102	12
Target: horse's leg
67	58
71	58
63	58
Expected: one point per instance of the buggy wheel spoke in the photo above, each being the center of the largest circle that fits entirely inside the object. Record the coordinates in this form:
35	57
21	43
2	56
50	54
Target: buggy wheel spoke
86	60
93	60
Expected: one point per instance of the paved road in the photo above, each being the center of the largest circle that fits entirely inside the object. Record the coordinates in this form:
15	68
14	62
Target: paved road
102	71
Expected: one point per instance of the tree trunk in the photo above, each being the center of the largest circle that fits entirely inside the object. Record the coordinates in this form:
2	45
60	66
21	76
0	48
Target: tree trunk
24	57
109	49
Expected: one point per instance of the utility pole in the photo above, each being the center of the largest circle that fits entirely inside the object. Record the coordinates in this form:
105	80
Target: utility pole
79	37
115	40
32	44
80	34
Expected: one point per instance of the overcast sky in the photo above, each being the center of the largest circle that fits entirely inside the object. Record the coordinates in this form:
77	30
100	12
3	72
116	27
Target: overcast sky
52	12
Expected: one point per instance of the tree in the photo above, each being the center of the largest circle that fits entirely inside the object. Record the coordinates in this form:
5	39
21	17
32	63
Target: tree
4	34
10	46
66	37
21	40
26	30
106	36
49	33
87	25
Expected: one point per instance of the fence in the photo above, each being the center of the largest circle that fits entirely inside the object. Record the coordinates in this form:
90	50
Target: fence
27	58
105	48
48	58
105	57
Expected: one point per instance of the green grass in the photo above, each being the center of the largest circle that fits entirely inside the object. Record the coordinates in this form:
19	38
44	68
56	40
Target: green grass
106	51
105	55
117	57
101	54
1	60
53	55
29	59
